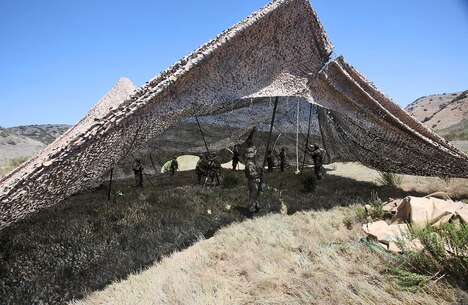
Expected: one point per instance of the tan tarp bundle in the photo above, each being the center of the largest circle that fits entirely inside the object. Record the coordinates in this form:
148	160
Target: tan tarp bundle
430	210
434	209
280	51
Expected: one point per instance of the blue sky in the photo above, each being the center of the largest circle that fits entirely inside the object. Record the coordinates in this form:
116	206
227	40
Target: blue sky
57	58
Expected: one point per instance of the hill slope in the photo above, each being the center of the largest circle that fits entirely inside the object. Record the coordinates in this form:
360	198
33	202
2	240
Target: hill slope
16	146
42	133
19	143
440	111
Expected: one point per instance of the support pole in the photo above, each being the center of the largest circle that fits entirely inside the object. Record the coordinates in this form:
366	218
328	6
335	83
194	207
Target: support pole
203	136
271	130
297	138
307	140
152	164
110	184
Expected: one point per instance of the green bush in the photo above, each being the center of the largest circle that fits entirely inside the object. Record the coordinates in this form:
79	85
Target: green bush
375	212
445	252
389	179
361	213
406	280
309	182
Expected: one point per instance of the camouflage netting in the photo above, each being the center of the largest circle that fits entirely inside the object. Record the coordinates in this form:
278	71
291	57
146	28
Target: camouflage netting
230	83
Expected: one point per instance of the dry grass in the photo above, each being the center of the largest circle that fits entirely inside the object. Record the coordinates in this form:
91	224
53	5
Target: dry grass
85	244
305	258
457	188
11	164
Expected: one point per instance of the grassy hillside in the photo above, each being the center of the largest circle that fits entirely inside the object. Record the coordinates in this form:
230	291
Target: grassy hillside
14	148
86	243
458	131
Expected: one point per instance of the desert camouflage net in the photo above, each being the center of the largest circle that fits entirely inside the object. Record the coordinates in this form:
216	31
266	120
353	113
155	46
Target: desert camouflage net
230	83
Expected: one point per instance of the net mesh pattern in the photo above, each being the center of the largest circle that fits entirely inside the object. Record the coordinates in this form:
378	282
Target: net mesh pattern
230	84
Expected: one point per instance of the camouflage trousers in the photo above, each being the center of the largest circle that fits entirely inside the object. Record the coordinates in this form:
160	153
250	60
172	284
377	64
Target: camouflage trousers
138	178
253	194
318	169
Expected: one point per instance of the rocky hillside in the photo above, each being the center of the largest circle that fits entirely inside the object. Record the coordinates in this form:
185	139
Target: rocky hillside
441	111
42	133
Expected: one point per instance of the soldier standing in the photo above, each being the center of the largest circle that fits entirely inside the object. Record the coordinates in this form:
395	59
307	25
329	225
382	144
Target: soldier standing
174	165
270	161
138	172
214	170
235	158
282	156
317	155
253	179
202	168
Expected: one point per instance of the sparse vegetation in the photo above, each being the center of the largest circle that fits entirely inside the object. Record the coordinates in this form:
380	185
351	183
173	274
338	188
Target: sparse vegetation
390	179
11	164
457	135
375	210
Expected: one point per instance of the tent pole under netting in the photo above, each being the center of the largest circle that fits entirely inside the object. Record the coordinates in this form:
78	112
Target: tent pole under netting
203	136
307	139
269	134
110	184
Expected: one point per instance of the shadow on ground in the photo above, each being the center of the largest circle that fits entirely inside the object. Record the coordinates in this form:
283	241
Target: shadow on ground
87	242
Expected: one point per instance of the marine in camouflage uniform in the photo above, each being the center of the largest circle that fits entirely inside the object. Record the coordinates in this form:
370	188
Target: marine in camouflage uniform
214	170
138	172
235	158
282	156
253	179
270	161
174	165
202	168
317	155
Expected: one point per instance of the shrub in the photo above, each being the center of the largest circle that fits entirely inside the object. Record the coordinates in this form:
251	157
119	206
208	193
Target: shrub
376	211
445	252
406	280
389	179
361	213
309	182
